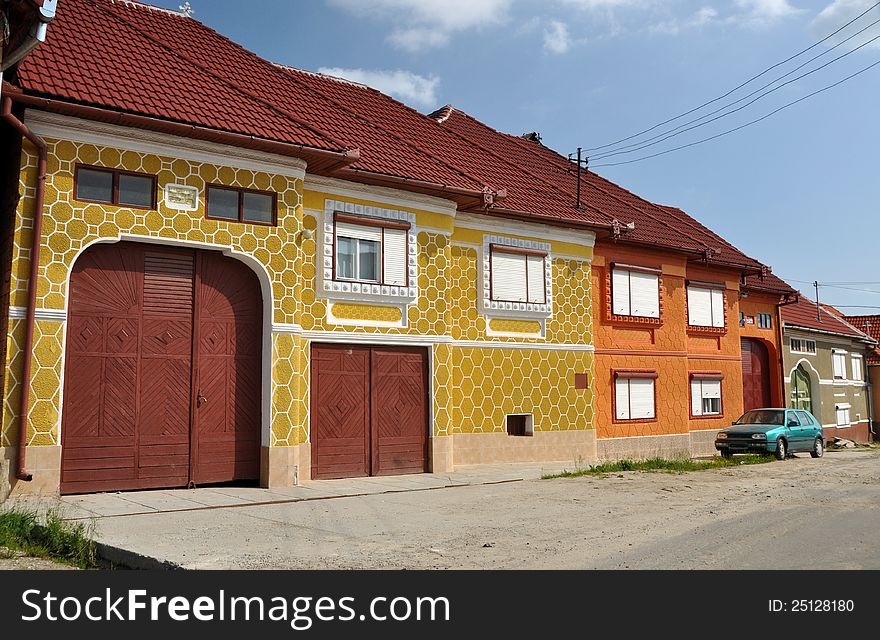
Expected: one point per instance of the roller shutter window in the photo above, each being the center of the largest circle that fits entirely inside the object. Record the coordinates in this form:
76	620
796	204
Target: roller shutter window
705	307
838	359
634	398
635	293
705	397
518	277
394	256
843	418
857	368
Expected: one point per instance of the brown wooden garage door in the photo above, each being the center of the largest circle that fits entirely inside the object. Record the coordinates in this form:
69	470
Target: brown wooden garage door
369	412
756	375
162	376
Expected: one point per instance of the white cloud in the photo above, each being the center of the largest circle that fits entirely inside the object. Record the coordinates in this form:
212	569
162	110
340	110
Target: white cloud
404	85
418	25
763	12
838	13
556	37
702	17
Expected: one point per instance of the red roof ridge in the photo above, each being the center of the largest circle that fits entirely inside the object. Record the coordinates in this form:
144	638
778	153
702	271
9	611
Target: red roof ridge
119	18
153	7
328	76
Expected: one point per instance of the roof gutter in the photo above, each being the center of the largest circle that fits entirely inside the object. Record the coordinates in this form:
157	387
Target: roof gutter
484	197
36	35
36	235
326	160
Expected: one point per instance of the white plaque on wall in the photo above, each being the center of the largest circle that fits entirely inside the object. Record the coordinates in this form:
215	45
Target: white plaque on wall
181	197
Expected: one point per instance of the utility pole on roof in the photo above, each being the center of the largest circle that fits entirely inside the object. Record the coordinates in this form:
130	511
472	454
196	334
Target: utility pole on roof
582	161
818	306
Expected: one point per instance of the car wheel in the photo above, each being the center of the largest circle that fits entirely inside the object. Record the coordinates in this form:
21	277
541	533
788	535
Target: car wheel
818	448
781	449
727	455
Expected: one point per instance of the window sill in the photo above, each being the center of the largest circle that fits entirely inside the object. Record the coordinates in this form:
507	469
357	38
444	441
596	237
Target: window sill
633	420
351	290
638	321
716	416
709	331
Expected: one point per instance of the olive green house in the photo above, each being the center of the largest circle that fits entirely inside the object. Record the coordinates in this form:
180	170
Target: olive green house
824	364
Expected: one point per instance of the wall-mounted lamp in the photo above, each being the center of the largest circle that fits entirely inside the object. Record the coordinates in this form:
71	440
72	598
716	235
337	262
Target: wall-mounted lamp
307	234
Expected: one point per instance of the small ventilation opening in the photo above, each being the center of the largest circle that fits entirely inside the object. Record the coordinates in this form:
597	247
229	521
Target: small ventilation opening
519	425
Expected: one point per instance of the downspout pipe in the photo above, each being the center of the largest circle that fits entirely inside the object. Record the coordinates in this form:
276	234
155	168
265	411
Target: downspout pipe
21	472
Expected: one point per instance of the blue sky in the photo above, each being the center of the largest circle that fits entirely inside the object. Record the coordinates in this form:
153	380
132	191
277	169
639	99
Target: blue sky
799	191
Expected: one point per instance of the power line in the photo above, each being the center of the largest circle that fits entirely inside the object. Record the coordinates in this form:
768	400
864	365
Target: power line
671	133
854	306
737	88
743	126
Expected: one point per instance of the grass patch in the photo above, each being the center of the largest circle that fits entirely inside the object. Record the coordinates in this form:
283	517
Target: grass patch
679	465
48	537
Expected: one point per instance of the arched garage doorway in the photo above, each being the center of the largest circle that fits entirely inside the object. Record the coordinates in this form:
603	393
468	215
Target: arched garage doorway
162	383
756	374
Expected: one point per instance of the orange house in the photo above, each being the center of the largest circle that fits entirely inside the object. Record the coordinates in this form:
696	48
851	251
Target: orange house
684	343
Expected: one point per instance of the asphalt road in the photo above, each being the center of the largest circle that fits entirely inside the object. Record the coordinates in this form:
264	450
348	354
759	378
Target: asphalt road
800	513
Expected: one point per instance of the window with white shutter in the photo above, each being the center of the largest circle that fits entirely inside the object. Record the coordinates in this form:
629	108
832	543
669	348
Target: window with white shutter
371	250
634	396
705	306
843	417
857	364
705	396
635	293
518	275
838	359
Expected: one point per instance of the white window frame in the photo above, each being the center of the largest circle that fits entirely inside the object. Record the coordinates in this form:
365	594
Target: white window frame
699	390
622	300
804	342
714	291
534	274
838	356
365	291
525	309
842	416
858	367
623	393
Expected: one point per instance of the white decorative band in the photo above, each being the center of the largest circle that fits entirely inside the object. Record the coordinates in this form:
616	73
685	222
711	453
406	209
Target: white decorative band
54	315
286	328
429	340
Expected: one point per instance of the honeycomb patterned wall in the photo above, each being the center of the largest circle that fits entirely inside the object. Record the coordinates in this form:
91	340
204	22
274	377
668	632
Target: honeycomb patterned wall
70	225
489	384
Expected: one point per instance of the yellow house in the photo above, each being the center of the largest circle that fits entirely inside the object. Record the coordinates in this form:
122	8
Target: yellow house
207	313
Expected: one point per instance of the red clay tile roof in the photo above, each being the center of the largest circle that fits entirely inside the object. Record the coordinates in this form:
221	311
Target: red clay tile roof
125	56
656	225
769	283
803	315
869	325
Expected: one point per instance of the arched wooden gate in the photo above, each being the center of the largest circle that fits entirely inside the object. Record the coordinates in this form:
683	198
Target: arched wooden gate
162	383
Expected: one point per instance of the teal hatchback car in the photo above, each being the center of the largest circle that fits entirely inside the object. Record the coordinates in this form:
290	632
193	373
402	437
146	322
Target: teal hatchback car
776	431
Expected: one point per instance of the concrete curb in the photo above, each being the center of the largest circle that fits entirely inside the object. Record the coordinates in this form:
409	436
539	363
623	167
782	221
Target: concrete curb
119	558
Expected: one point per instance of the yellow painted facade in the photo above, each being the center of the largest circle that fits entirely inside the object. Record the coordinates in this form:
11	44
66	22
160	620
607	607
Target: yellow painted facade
483	366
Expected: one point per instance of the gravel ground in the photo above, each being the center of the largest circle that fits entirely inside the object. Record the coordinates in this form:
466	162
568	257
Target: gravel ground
719	519
15	561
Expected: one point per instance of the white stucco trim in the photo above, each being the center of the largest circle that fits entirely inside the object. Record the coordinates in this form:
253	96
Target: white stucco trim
527	229
52	125
383	195
426	340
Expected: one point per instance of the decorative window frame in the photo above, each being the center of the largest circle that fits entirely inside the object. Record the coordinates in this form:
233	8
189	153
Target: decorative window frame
532	310
632	374
609	295
362	291
697	328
